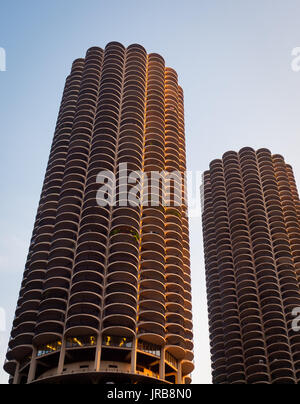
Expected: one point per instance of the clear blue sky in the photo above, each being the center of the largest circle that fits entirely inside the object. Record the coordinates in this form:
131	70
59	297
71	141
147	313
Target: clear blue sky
233	58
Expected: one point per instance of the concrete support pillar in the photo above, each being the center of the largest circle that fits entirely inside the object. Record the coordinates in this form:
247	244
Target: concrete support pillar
162	369
33	365
179	373
134	356
98	353
17	374
62	355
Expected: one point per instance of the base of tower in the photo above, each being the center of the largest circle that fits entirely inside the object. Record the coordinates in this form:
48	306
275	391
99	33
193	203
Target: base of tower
99	378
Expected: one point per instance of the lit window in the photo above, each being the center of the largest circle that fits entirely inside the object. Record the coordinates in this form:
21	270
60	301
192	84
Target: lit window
77	341
123	341
118	342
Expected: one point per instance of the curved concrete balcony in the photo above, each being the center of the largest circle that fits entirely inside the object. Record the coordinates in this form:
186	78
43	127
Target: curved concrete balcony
121	287
176	308
97	165
132	121
155	137
152	284
172	297
86	286
88	240
66	244
152	228
125	248
152	256
133	163
56	293
87	275
91	251
81	325
64	234
130	150
123	222
152	274
175	288
175	318
94	219
89	265
93	228
20	347
53	303
28	285
125	267
175	345
122	276
122	298
174	237
152	246
23	328
118	320
30	296
121	309
151	332
151	294
122	257
187	367
154	242
106	141
101	160
128	138
189	346
27	316
106	152
10	367
155	141
76	160
86	297
63	227
84	307
157	214
151	316
48	331
50	314
155	150
130	238
57	282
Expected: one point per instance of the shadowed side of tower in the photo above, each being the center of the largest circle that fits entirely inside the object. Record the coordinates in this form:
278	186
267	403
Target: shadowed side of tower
251	241
106	293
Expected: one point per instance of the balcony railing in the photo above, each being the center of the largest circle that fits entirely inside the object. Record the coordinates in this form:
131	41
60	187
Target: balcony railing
149	348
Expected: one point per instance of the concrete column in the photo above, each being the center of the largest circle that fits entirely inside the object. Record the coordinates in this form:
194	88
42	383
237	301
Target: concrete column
33	365
98	353
134	356
162	369
62	355
179	373
17	374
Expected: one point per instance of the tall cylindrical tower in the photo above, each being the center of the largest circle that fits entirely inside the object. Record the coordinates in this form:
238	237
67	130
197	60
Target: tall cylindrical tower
252	254
106	294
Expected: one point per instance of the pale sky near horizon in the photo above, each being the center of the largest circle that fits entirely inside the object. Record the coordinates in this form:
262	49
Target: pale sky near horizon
233	58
